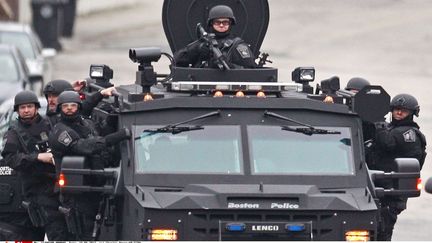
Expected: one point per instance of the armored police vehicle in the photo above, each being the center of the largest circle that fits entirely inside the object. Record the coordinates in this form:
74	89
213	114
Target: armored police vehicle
237	154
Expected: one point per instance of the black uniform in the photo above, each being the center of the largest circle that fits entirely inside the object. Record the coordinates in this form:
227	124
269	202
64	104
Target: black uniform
399	139
18	227
15	223
74	137
88	105
198	54
23	144
236	53
56	87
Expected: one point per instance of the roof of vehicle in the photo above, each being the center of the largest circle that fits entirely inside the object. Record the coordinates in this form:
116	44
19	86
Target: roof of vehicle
12	88
16	53
7	48
289	100
14	27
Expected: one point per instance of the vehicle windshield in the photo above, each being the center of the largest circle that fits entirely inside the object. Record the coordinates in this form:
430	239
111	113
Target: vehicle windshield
275	151
212	150
218	150
8	68
21	41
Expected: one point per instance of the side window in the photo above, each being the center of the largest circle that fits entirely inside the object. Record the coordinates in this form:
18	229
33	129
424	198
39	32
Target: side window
37	41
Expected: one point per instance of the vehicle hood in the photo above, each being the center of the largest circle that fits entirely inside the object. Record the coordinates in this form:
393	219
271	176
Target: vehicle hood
253	197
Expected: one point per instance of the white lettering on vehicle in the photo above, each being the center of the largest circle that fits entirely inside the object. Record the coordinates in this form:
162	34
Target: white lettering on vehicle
265	227
285	205
5	170
243	205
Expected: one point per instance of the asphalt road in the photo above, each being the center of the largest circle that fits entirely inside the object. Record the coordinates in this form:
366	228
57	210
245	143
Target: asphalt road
384	41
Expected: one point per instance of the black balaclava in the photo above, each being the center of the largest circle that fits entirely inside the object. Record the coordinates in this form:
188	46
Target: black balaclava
71	118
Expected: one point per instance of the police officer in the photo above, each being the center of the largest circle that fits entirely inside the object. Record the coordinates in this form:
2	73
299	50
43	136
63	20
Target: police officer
55	87
236	51
356	84
74	135
26	151
399	139
51	91
402	137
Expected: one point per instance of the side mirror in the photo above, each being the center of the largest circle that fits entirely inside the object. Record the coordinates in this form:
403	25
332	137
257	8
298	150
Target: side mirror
71	179
428	185
400	183
49	52
70	164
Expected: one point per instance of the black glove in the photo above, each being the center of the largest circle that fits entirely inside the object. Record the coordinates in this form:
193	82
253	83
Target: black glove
115	138
204	49
380	126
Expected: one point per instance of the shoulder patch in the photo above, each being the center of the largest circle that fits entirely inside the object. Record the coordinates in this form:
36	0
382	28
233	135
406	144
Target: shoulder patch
64	138
243	50
410	136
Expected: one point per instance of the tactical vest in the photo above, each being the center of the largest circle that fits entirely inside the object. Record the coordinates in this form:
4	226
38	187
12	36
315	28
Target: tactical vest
423	145
10	184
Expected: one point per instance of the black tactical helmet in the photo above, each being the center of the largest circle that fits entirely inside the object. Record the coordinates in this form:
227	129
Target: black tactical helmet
221	11
405	101
56	87
356	84
68	97
25	97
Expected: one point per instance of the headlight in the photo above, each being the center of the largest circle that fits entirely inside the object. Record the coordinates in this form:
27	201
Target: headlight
163	234
357	235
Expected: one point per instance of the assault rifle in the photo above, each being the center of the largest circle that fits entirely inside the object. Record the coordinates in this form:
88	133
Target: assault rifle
211	41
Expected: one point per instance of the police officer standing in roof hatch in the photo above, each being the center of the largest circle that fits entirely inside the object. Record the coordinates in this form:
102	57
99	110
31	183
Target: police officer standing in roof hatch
399	139
198	53
26	151
76	136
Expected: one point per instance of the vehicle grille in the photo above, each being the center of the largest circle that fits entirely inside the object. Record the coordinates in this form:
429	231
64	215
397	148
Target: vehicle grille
206	224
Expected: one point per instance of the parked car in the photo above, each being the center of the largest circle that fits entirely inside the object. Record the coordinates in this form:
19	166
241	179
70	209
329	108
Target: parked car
38	59
14	73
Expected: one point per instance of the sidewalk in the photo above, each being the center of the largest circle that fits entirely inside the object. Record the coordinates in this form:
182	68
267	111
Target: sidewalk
84	7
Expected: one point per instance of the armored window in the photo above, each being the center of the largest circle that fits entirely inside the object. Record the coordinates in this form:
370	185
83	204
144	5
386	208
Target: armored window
8	68
276	151
211	150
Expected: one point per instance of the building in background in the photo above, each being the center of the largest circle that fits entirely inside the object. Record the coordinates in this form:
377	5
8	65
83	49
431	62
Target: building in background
9	10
